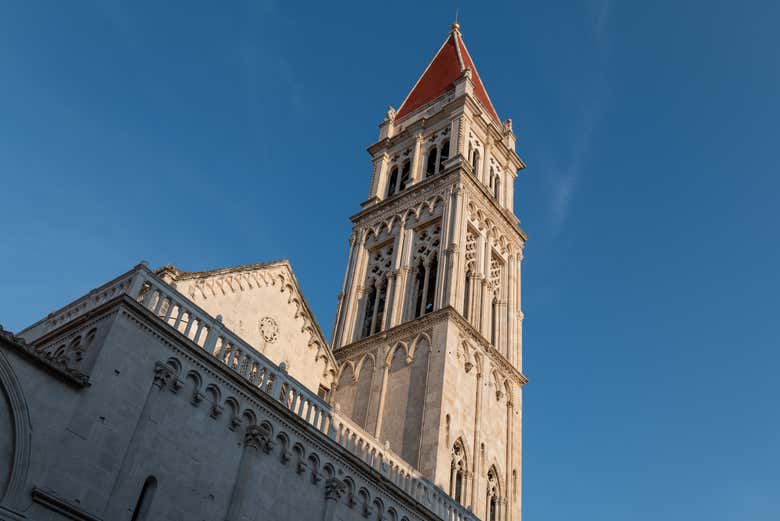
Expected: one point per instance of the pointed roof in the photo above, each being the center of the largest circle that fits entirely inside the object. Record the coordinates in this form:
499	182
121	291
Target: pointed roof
440	75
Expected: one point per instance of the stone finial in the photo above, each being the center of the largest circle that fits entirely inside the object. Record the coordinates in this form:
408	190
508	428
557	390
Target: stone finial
390	114
467	73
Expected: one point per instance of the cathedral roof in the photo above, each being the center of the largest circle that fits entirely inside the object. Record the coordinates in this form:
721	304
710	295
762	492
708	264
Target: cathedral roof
446	67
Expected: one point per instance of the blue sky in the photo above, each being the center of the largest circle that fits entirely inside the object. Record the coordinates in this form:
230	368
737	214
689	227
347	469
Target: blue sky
208	135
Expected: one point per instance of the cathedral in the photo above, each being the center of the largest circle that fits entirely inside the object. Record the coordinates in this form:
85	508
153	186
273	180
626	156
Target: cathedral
176	395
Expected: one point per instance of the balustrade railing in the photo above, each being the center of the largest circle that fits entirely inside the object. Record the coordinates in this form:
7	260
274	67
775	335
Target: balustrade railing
207	332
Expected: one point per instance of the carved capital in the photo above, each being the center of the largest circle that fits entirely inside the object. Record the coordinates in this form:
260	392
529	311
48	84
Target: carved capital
334	489
258	437
216	411
197	397
164	374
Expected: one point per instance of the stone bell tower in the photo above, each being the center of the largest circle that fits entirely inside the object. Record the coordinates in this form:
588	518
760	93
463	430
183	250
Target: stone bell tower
428	329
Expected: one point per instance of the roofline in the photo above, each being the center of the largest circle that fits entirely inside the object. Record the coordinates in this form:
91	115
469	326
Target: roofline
189	275
491	108
426	70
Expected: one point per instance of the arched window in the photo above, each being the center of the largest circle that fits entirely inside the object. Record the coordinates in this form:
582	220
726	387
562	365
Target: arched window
378	320
373	316
494	320
393	181
405	175
419	287
430	166
475	163
493	491
444	155
433	269
144	503
368	313
497	187
467	295
458	471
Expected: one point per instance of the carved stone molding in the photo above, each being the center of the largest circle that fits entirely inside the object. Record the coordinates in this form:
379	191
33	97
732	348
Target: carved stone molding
13	496
57	361
334	489
52	501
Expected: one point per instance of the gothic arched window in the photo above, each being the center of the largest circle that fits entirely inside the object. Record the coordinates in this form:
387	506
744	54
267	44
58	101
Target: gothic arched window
368	313
467	295
491	503
430	166
433	269
405	175
494	321
378	320
419	288
497	188
392	181
458	471
444	155
475	163
373	316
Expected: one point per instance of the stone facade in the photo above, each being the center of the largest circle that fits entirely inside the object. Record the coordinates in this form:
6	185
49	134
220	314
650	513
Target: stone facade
172	395
429	327
113	408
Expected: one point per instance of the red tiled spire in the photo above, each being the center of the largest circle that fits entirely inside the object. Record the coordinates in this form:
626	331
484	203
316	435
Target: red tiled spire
446	67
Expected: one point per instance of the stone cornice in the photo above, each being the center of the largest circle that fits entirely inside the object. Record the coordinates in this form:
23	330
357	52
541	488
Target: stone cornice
492	353
52	501
70	375
510	223
423	324
409	198
392	335
174	275
349	462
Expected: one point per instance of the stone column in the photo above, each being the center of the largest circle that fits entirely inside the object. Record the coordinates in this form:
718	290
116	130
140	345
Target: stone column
389	283
486	161
381	408
475	456
451	272
338	322
396	307
509	191
356	282
119	502
378	178
509	313
241	507
416	173
444	251
334	490
508	461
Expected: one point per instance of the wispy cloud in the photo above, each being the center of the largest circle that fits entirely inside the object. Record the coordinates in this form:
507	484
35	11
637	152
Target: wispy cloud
566	179
264	65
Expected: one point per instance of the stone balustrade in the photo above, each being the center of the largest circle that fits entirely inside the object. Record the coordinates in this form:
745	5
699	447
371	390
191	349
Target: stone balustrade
208	333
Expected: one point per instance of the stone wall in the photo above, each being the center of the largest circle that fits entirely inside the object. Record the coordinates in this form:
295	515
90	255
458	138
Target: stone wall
140	418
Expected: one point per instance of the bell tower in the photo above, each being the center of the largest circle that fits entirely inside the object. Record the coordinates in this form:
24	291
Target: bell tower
428	329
